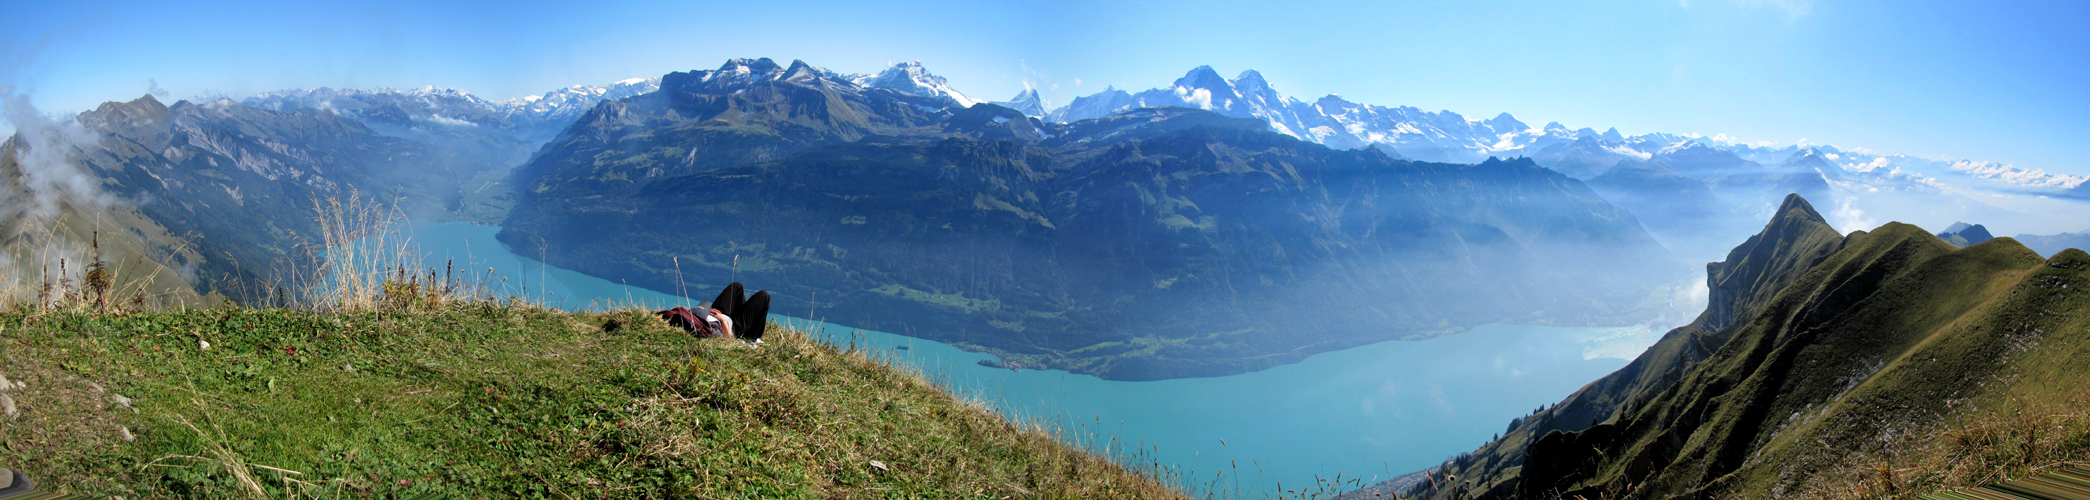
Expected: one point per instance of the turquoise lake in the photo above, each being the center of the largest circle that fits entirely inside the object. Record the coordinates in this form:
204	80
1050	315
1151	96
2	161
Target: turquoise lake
1369	412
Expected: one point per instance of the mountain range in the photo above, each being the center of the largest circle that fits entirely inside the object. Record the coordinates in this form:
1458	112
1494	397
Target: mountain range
1445	136
530	119
1748	180
1142	245
2053	244
1405	131
1857	184
445	151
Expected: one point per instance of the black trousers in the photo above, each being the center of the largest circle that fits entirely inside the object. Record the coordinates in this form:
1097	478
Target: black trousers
750	315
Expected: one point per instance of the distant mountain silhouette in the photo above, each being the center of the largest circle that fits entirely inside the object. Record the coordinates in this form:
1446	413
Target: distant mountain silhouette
1961	234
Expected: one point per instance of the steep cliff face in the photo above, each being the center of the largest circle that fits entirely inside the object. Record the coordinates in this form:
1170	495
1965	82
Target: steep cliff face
1743	284
1155	243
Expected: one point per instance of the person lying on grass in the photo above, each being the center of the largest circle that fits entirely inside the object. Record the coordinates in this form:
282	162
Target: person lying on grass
731	315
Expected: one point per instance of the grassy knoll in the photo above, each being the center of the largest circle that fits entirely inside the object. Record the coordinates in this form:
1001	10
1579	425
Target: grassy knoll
490	400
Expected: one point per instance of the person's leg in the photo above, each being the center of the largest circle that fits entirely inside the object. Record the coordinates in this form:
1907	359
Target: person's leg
728	300
752	318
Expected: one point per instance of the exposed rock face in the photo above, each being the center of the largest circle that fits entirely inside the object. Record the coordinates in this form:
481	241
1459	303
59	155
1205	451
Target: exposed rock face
1786	248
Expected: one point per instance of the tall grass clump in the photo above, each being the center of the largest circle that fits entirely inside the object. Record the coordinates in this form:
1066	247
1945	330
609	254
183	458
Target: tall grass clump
367	261
362	248
57	271
2019	437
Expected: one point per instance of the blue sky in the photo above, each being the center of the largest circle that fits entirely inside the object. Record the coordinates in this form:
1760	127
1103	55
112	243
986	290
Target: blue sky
1959	80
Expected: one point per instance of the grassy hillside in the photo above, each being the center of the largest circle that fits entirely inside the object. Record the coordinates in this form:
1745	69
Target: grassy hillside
1894	332
1879	365
486	400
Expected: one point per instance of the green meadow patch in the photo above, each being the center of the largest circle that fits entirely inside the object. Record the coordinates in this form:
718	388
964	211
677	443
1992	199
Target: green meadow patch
488	400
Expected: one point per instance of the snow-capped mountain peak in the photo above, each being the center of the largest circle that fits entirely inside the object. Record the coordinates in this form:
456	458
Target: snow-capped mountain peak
1204	77
735	73
912	79
1330	120
1250	82
530	117
739	75
1026	102
1504	123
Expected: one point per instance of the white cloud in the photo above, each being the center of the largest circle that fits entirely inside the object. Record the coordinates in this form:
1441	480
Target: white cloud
454	122
46	155
47	152
1876	164
2014	175
1848	215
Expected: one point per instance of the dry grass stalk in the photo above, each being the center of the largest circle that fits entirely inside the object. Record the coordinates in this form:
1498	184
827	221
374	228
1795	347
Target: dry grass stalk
369	262
96	287
2020	438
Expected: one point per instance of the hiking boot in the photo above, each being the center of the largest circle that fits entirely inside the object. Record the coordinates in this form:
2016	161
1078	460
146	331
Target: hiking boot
13	484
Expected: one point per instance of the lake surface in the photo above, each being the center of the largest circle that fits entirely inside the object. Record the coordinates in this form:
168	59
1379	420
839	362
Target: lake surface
1374	411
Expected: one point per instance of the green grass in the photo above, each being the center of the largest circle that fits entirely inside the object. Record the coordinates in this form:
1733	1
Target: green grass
1931	366
489	400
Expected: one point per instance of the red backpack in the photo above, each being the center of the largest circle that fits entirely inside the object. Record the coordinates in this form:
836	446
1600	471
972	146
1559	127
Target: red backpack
689	321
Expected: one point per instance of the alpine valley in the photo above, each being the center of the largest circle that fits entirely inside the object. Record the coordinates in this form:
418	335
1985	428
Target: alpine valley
1148	244
1132	236
1208	228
